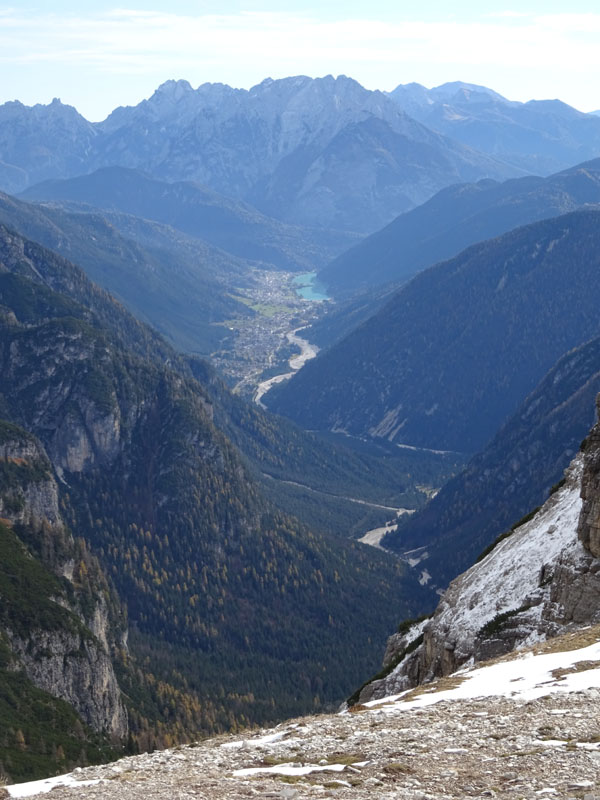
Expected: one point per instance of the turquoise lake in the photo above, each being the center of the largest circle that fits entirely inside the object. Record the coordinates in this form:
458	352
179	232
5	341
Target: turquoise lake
308	287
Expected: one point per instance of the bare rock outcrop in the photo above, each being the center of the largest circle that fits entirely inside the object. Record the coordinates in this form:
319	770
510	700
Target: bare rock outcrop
74	666
589	524
69	657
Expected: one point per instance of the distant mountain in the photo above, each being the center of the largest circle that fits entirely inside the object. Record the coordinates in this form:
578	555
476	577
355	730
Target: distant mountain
40	142
233	226
541	136
320	152
512	475
446	361
455	218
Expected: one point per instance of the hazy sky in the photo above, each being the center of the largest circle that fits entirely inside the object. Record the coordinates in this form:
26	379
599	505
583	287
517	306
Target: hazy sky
98	55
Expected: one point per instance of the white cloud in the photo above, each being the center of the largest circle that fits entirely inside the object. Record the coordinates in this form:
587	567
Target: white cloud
125	35
508	14
245	47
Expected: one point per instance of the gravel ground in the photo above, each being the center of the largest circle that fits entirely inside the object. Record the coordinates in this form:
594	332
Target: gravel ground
493	747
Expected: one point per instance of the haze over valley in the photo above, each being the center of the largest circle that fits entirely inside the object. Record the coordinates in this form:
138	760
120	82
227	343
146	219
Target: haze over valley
295	378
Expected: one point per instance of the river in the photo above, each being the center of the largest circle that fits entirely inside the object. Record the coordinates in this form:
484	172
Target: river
374	536
307	351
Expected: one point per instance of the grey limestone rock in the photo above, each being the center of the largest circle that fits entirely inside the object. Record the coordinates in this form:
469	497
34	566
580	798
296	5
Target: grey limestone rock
71	663
76	668
589	524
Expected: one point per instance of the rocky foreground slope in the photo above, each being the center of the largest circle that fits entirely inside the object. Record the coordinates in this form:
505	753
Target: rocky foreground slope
523	727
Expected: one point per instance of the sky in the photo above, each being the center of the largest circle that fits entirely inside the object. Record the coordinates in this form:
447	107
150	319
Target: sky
98	55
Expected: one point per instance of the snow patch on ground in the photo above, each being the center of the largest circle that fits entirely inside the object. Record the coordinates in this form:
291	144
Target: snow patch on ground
525	678
46	785
263	740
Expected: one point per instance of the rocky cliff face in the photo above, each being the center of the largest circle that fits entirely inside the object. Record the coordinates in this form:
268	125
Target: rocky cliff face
28	502
539	582
589	523
25	137
64	648
74	667
79	431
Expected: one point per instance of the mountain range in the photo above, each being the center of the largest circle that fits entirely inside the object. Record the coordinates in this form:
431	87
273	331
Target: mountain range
318	152
540	136
175	561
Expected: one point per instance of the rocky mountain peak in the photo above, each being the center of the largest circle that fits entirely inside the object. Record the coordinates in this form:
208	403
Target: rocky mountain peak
175	89
170	95
465	91
293	147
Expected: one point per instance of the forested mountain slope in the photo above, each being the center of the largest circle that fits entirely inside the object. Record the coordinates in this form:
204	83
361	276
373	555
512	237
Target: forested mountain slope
512	475
60	625
237	612
231	225
455	218
329	482
437	366
180	285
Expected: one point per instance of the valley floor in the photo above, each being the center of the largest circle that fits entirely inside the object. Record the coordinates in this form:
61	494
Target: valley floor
532	731
267	346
